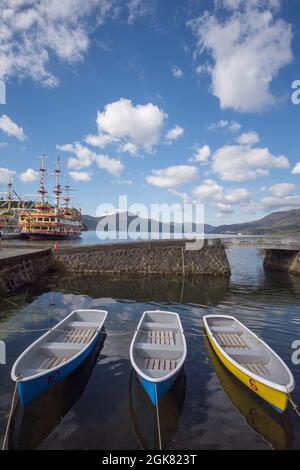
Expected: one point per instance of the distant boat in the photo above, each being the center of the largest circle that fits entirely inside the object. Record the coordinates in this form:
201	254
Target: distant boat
44	221
251	360
57	353
158	352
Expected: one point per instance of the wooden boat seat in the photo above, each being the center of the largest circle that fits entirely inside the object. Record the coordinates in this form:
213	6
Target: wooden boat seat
226	330
51	362
161	337
256	368
158	351
165	365
79	335
227	340
62	349
248	357
160	326
83	324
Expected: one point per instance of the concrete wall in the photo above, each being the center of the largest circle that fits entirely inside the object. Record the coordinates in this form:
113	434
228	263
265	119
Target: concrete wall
145	257
23	269
280	260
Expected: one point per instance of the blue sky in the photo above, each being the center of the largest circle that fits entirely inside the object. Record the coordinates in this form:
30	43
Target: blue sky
163	101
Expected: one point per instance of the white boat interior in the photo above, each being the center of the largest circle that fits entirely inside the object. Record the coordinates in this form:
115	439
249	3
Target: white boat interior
60	344
159	346
247	350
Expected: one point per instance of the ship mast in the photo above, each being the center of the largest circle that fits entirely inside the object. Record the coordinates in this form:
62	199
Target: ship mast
9	194
57	189
67	198
42	190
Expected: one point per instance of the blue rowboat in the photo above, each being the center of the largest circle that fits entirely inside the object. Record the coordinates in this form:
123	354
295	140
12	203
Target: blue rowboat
158	352
57	353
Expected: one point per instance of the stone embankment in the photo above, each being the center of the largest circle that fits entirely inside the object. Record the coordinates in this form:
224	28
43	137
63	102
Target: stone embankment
20	267
145	258
282	260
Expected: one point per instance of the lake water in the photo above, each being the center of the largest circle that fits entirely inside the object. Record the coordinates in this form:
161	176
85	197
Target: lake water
103	406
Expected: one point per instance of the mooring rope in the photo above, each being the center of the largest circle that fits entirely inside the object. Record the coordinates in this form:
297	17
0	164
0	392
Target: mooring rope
294	405
157	419
12	407
10	302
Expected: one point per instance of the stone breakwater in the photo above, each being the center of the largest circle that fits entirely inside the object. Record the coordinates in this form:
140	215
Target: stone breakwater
282	260
161	257
19	268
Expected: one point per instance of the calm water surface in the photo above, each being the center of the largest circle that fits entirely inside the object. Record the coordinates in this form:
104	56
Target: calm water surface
103	406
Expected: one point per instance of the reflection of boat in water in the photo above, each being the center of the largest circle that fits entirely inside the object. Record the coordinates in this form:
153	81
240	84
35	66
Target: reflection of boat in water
274	427
143	413
31	425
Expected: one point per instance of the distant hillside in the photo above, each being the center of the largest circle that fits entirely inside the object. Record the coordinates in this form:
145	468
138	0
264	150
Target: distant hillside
91	223
277	223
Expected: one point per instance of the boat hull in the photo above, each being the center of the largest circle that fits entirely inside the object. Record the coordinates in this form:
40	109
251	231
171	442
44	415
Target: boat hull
277	399
29	390
46	236
161	387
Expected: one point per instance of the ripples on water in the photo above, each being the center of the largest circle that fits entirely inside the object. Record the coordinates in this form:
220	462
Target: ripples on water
103	405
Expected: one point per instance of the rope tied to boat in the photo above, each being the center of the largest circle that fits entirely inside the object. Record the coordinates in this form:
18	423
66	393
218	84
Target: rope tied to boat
294	405
12	408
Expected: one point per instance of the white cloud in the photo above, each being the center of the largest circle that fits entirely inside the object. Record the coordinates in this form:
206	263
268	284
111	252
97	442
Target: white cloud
249	138
296	169
84	158
224	209
177	72
172	176
210	191
232	126
241	163
123	182
29	176
112	165
271	203
6	175
174	133
129	147
281	190
101	140
248	47
10	128
80	176
32	31
183	196
137	9
141	124
201	155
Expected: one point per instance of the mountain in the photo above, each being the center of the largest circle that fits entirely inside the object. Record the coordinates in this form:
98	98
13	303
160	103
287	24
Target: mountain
277	223
91	223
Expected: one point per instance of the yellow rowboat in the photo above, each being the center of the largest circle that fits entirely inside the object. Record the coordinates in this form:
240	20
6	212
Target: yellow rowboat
249	359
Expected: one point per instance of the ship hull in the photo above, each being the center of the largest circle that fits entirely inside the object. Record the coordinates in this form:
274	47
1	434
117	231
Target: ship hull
47	236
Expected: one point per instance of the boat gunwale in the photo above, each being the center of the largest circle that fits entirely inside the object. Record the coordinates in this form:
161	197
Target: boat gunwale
184	350
281	388
60	366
